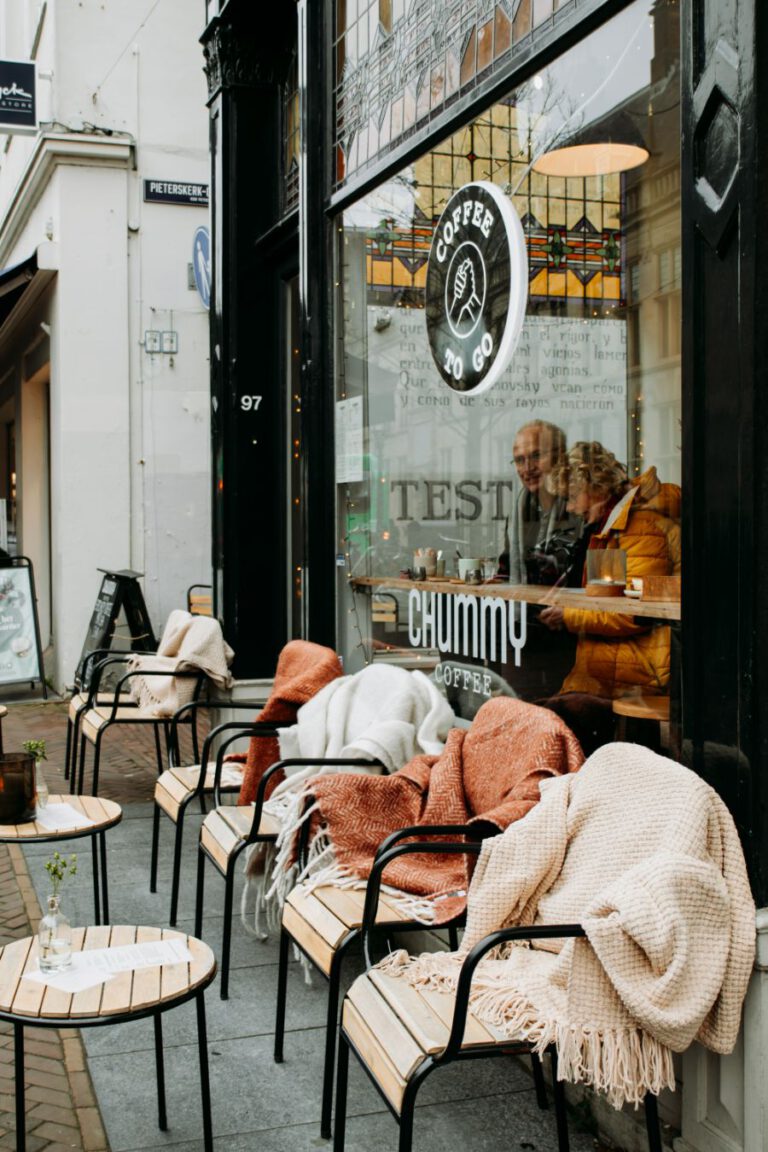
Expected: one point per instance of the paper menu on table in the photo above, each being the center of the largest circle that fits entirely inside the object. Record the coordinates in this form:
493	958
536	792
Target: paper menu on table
59	817
101	964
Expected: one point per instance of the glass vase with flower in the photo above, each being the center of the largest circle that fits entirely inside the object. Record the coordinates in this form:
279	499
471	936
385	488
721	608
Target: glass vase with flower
55	933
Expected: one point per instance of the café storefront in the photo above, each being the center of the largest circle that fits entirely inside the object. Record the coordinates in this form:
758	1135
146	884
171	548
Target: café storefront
506	277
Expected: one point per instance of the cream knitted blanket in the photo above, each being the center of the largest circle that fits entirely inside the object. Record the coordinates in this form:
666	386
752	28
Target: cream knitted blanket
645	856
189	644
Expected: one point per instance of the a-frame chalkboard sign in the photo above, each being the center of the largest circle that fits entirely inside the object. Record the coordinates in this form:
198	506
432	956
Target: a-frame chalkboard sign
118	590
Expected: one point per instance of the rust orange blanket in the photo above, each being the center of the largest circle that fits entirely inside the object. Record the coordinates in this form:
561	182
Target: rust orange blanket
302	670
489	775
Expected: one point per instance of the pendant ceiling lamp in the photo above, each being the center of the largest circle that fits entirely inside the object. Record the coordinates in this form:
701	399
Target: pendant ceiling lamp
598	151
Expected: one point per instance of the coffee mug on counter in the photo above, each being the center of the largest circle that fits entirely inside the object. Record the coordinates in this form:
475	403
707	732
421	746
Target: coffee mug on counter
471	571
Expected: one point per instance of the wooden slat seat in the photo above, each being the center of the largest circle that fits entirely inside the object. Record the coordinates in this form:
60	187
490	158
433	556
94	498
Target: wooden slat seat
176	785
395	1026
79	703
224	832
95	718
320	919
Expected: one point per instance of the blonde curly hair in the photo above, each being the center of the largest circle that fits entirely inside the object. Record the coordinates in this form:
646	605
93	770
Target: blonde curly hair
588	464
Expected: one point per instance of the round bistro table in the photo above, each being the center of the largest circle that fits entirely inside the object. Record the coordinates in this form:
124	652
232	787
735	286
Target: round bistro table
127	996
104	814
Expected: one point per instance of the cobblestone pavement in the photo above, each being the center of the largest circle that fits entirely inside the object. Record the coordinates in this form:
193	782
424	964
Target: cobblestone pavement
62	1111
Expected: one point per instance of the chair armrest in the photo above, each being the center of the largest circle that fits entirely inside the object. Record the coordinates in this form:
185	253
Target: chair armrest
419	830
97	673
476	954
386	856
183	715
95	657
146	672
238	728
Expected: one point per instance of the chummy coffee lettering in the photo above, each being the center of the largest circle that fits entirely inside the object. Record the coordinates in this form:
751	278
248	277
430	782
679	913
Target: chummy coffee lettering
482	627
477	287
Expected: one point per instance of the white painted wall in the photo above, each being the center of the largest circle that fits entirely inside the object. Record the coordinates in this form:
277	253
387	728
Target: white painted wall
129	431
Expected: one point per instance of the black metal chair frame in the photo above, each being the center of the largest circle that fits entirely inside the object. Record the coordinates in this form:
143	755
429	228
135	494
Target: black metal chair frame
253	837
453	1049
119	701
200	792
334	976
90	664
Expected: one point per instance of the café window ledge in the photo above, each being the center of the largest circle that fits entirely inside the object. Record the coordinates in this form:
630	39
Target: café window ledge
531	593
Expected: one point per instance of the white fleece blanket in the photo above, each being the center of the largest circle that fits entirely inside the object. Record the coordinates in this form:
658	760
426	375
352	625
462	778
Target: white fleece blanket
645	856
382	713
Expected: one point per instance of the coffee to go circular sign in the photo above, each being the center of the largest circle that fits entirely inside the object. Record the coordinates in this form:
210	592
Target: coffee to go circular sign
477	287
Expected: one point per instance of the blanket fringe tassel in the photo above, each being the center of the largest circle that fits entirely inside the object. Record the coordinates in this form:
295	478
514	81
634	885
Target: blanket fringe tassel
622	1063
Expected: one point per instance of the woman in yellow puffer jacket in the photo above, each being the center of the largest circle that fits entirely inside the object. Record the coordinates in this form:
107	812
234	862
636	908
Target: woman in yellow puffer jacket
618	655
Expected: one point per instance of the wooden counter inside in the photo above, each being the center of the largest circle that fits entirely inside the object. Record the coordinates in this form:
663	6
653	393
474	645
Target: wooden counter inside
530	593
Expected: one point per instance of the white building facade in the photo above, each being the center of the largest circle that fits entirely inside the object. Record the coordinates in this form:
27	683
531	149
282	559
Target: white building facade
104	441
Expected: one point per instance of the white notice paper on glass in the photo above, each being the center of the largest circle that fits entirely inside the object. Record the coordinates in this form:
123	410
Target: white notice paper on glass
101	964
57	817
349	440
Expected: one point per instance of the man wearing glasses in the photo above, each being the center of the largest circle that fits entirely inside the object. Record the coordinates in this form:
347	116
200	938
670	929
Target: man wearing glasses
543	533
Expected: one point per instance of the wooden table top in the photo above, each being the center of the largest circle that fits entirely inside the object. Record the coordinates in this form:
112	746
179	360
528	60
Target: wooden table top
104	813
125	994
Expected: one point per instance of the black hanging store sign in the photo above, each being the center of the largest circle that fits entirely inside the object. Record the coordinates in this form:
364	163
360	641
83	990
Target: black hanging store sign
477	287
18	101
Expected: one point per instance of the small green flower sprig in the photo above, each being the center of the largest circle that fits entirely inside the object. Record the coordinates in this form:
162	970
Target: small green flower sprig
58	868
35	748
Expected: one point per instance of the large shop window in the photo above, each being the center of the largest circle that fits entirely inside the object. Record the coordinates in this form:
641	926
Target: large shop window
526	539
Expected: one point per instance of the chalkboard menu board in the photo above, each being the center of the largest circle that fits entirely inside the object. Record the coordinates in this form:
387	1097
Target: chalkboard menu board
118	590
21	655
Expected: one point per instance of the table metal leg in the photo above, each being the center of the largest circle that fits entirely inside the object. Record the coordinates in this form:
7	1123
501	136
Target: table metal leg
96	898
18	1047
205	1084
162	1117
104	888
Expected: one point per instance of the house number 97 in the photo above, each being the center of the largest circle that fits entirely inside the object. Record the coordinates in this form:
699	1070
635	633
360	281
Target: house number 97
250	403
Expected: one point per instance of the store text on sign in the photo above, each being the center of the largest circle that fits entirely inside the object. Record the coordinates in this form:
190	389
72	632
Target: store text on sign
481	627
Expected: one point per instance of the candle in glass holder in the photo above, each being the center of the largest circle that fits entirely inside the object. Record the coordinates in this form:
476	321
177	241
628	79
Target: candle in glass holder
17	788
606	571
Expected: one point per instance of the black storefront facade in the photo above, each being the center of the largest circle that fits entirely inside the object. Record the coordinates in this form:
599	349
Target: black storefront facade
344	463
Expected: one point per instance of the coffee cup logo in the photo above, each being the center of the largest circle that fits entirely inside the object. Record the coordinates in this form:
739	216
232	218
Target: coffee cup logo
477	287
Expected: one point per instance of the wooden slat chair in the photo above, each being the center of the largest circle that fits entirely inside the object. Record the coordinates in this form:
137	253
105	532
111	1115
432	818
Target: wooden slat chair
79	703
200	600
324	923
227	831
401	1033
98	718
180	784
